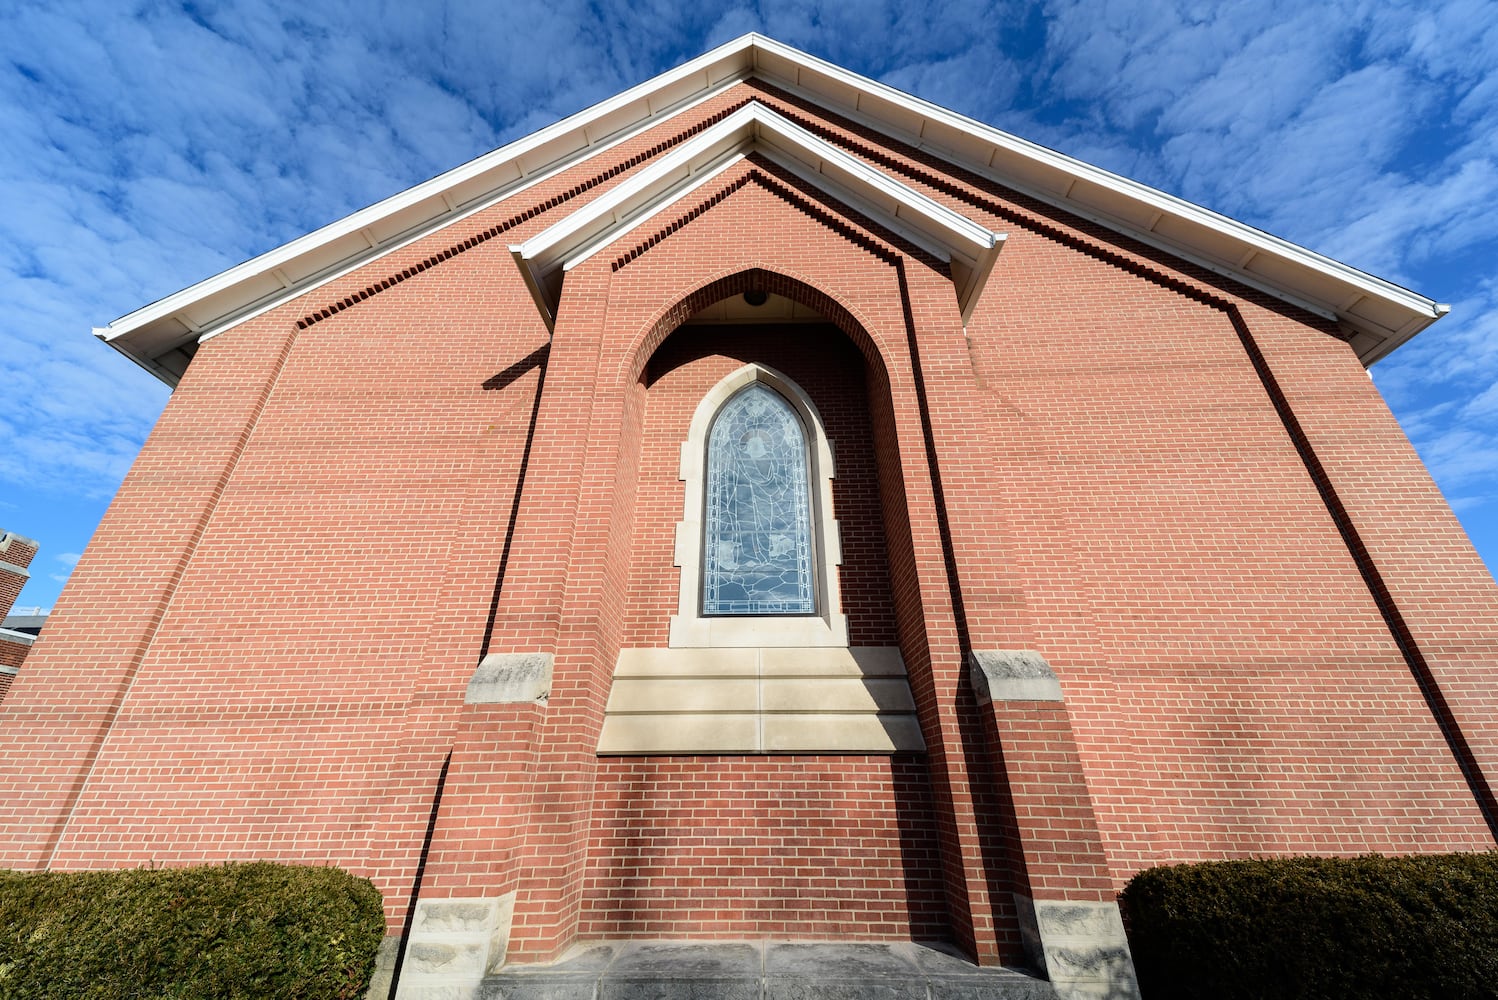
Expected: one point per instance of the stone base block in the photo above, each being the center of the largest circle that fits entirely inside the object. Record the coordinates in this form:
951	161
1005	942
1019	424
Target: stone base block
379	983
454	944
1081	947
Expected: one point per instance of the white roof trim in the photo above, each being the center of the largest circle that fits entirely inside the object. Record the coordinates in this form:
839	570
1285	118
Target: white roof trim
232	296
1226	246
1378	315
970	248
22	638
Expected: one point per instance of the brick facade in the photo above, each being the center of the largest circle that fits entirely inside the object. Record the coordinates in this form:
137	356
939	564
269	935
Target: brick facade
1269	633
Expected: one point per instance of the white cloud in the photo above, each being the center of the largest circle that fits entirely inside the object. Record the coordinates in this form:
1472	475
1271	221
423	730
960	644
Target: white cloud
1485	405
67	559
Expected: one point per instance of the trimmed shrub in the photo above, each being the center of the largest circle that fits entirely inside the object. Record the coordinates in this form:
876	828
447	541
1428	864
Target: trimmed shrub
1317	927
236	930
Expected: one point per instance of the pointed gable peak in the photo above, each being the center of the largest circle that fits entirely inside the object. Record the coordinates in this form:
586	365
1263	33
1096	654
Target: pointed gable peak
1378	315
969	248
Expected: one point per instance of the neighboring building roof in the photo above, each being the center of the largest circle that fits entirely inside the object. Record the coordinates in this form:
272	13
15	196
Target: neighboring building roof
27	624
1377	314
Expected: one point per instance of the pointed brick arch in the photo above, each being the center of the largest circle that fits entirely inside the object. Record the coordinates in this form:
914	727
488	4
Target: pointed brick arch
759	278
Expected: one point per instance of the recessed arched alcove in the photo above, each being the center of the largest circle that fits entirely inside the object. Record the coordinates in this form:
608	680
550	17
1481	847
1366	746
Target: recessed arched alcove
817	358
835	843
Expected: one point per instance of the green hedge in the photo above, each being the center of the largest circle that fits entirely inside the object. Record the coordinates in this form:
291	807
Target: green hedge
1317	927
237	930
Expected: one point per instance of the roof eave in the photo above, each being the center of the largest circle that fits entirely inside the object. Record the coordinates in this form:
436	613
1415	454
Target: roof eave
1377	314
330	251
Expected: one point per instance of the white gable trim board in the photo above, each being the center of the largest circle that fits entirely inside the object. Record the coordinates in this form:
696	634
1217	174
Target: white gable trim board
969	248
1377	315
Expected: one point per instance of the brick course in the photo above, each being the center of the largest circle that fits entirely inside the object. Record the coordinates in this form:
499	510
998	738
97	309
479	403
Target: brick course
729	847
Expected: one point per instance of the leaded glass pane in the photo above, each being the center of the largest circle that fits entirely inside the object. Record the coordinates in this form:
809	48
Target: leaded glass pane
757	545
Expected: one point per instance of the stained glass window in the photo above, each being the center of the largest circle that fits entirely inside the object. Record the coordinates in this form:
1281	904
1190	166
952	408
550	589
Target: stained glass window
757	542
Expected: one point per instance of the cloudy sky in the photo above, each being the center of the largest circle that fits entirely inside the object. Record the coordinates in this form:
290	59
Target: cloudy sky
149	145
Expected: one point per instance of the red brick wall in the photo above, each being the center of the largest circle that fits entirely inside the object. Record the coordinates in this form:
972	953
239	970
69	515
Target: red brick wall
1233	685
17	551
613	316
326	610
12	652
11	582
10	589
810	846
735	847
1433	588
302	625
1139	463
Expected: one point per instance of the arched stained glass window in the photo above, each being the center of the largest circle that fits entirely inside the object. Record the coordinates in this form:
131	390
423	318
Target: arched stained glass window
757	540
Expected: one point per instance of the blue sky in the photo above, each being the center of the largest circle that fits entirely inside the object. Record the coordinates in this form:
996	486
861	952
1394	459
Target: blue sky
149	145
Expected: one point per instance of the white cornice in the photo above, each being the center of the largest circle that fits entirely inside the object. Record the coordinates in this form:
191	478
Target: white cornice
969	248
20	638
1376	314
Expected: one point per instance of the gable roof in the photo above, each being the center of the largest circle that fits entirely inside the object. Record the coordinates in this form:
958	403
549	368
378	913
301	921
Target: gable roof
1377	314
969	248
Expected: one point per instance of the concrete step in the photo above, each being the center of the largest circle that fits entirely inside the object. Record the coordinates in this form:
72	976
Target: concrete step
760	970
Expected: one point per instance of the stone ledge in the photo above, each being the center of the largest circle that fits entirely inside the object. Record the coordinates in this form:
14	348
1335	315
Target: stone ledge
769	700
1012	675
19	638
509	679
9	538
752	970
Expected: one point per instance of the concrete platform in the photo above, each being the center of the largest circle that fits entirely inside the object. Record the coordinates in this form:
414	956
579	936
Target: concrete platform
759	970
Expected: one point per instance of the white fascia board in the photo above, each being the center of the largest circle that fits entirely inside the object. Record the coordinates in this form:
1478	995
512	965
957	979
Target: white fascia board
655	207
543	272
641	191
516	166
955	231
239	293
1327	283
937	229
859	200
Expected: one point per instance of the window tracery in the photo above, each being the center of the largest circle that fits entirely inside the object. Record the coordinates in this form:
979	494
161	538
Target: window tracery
757	532
758	544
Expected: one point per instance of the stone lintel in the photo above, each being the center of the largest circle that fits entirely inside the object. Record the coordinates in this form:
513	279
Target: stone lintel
1080	945
510	678
1012	675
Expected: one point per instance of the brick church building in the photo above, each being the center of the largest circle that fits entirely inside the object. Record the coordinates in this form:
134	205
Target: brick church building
765	506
